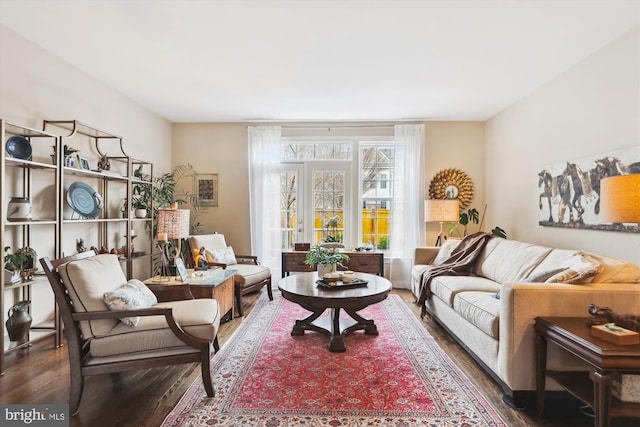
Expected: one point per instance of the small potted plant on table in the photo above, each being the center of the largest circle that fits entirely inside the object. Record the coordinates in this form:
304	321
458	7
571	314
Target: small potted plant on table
325	260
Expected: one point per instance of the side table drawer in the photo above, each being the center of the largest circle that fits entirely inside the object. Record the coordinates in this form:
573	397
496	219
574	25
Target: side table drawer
365	263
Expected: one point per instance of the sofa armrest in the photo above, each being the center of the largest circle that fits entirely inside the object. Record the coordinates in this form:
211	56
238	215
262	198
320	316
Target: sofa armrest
521	303
425	255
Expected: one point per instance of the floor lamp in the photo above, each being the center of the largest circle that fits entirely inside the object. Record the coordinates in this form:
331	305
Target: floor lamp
173	224
441	210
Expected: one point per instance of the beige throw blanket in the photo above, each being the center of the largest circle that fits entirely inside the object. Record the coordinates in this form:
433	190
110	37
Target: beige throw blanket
458	264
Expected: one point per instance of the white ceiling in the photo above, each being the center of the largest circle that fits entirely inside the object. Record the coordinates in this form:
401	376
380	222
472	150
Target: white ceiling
350	60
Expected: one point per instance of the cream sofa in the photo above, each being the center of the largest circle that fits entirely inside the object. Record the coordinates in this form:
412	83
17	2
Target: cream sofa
497	329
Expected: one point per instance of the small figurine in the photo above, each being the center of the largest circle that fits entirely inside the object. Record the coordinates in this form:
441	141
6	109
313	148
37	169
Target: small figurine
80	247
104	164
201	259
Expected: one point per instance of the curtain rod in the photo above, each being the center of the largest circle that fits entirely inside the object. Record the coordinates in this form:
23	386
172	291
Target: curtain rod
329	126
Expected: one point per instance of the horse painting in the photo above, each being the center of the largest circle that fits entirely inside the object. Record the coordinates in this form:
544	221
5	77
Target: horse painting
545	178
575	175
572	190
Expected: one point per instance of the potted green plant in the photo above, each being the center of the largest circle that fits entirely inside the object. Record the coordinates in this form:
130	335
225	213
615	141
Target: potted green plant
325	260
21	262
141	200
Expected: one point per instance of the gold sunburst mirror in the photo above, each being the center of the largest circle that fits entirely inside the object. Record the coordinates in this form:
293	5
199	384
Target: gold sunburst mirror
452	184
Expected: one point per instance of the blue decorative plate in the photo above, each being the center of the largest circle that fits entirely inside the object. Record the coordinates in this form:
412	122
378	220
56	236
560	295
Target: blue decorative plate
84	200
19	147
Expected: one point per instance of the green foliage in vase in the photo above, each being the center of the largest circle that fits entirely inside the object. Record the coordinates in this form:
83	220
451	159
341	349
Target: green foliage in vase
319	255
20	260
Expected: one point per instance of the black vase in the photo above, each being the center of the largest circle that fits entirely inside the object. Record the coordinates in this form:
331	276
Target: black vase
19	321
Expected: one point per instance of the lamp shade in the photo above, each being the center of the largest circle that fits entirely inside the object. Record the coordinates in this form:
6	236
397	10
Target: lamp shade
174	223
620	198
441	210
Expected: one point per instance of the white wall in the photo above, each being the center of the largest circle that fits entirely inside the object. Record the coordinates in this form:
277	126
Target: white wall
35	85
590	109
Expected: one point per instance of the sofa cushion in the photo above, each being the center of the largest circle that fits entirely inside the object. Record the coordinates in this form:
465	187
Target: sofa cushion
481	309
581	268
510	260
198	317
132	295
615	270
87	280
445	250
553	260
447	287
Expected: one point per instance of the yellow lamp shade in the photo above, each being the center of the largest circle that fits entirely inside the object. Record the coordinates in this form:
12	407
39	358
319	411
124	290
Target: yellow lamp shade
620	199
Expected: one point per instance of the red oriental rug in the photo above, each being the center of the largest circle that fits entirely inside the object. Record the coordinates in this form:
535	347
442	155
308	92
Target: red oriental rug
263	376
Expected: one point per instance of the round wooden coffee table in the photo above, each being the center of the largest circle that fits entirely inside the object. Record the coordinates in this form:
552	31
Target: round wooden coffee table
302	289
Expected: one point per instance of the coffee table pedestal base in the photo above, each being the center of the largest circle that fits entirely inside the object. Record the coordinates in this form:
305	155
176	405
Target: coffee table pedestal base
335	327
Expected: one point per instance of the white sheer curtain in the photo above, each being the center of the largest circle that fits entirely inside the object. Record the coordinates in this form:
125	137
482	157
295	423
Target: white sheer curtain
264	195
407	225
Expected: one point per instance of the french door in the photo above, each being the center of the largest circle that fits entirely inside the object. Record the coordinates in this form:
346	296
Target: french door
315	202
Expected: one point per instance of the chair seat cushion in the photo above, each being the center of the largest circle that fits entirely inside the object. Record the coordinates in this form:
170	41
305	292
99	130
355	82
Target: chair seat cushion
249	274
198	317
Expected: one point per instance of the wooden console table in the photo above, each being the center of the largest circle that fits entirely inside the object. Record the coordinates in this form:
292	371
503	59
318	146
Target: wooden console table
363	262
214	283
573	334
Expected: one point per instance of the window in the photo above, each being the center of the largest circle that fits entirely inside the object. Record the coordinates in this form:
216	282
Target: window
376	164
325	170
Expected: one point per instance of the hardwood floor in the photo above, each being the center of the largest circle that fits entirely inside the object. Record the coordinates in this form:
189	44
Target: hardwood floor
144	398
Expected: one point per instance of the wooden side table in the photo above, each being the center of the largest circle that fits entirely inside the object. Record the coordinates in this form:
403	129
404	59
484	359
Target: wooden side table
214	283
363	262
573	334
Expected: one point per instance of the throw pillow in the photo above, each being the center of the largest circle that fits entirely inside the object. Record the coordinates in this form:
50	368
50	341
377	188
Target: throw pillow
581	268
540	277
446	250
543	276
224	256
132	295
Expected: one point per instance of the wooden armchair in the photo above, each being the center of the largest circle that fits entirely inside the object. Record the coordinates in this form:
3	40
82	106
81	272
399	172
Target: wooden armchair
250	276
98	343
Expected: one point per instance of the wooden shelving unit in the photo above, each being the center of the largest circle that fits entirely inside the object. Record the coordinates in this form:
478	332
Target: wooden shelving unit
56	228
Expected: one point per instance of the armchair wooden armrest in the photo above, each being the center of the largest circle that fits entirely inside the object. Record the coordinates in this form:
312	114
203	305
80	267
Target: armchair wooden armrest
247	259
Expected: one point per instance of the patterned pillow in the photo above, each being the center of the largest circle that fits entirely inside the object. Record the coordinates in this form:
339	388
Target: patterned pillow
132	295
539	277
581	268
543	276
445	250
223	256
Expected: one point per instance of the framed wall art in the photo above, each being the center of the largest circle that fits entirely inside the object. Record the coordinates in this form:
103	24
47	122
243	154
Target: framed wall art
206	187
570	190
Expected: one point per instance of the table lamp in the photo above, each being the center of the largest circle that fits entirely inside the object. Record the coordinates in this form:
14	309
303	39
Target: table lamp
620	199
173	224
441	210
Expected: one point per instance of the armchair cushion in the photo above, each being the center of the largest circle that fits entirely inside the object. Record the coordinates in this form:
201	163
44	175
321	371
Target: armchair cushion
133	294
199	317
209	241
87	281
249	274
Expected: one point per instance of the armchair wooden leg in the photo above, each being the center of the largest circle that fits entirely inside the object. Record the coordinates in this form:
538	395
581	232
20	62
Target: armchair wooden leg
216	344
269	291
206	372
238	292
75	393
